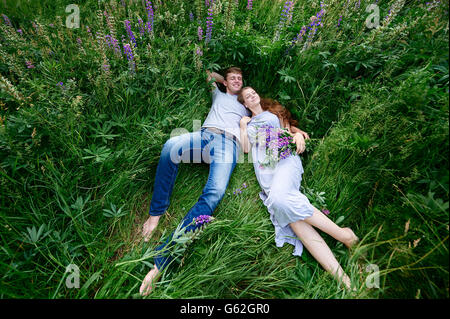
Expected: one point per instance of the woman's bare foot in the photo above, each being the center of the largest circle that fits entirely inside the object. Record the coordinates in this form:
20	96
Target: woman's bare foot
149	282
352	239
149	226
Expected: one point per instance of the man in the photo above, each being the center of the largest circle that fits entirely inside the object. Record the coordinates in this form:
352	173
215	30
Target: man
216	143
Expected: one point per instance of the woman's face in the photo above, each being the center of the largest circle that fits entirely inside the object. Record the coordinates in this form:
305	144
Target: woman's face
251	98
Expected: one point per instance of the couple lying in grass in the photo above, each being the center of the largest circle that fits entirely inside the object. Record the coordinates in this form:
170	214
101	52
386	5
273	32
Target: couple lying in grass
240	119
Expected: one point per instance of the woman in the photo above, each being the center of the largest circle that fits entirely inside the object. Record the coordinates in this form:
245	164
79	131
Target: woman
291	212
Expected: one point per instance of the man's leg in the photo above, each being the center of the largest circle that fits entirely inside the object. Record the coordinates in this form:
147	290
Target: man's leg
224	154
173	152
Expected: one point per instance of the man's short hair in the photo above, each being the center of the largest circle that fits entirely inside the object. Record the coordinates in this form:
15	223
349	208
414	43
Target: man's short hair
232	69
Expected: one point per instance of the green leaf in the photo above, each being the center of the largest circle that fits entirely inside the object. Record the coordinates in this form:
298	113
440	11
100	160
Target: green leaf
339	220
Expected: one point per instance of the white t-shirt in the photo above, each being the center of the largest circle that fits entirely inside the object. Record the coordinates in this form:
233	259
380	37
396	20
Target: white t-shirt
226	113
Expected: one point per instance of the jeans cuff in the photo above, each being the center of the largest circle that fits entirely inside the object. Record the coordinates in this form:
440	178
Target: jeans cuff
156	213
161	262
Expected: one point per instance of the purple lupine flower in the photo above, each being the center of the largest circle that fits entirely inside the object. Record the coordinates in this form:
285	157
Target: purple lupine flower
129	32
249	4
209	25
89	32
279	144
244	185
108	40
315	22
285	13
6	19
299	36
80	46
202	219
141	26
199	52
113	44
339	21
150	16
191	16
105	68
29	64
128	52
20	31
200	33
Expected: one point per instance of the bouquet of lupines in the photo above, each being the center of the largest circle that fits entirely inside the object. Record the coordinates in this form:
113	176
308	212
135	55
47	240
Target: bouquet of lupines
279	144
182	238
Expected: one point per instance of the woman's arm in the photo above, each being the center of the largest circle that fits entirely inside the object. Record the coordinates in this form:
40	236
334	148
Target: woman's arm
245	143
298	136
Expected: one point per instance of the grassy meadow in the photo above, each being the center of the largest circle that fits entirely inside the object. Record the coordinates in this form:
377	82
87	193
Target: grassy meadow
86	106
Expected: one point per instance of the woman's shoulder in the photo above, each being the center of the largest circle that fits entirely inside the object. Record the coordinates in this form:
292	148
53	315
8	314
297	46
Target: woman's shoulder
265	118
265	115
270	115
271	118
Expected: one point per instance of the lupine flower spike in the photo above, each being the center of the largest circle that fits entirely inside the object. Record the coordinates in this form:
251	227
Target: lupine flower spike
150	16
209	25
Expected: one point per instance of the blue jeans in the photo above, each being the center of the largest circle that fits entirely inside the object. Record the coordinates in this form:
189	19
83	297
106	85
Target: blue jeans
203	146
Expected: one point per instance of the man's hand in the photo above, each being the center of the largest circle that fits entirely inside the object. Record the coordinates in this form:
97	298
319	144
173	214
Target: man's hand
304	134
299	140
213	76
294	130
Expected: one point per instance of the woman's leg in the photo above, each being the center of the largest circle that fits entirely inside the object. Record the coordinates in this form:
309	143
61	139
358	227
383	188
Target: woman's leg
315	244
321	221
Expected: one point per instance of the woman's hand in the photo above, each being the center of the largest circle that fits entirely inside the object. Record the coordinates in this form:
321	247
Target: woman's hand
245	144
244	121
299	140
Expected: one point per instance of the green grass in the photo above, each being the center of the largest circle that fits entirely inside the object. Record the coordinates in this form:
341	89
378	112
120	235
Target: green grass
77	164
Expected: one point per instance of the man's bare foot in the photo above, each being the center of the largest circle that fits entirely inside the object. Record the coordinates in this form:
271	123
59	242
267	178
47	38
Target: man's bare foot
149	226
149	282
352	238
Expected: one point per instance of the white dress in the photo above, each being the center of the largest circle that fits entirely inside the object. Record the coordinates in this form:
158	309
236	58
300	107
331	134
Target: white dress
280	184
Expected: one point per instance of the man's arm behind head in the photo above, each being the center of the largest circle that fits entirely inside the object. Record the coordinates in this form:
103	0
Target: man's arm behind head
215	80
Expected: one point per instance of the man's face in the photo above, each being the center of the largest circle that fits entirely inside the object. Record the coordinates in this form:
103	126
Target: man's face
233	82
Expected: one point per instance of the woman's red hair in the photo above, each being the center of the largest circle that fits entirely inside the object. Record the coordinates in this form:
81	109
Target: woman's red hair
273	106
